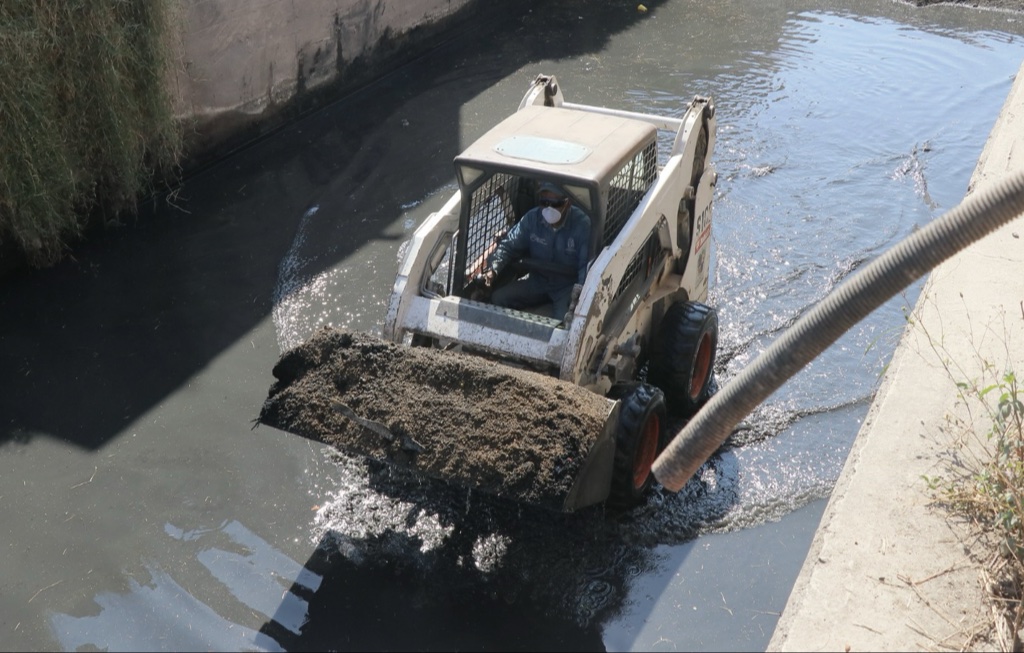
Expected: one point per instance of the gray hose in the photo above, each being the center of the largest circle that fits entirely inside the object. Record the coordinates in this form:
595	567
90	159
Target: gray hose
974	218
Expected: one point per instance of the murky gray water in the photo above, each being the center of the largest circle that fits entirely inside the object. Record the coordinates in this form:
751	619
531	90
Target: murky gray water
139	511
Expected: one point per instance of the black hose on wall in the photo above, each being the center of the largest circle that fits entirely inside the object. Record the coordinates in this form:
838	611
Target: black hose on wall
974	218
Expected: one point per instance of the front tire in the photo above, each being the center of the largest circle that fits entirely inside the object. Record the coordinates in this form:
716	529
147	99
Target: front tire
683	356
638	441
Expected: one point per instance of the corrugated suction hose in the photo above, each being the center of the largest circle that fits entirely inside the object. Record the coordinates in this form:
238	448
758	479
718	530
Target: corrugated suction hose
975	217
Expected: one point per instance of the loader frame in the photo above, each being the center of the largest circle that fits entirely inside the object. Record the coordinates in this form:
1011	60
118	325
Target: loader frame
646	181
647	184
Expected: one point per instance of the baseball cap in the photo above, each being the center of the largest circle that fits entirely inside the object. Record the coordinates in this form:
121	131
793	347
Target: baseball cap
551	188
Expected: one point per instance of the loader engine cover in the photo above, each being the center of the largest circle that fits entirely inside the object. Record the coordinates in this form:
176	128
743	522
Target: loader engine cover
463	419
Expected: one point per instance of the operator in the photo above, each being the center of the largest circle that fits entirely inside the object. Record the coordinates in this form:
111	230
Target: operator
555	234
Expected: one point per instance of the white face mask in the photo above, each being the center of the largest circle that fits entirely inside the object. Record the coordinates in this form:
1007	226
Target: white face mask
551	214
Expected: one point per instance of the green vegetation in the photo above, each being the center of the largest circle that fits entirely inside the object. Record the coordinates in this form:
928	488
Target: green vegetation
984	483
87	122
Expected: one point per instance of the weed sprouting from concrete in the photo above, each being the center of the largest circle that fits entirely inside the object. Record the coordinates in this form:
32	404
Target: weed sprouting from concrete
984	480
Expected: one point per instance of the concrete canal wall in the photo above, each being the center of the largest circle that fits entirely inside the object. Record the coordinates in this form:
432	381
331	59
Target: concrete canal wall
245	67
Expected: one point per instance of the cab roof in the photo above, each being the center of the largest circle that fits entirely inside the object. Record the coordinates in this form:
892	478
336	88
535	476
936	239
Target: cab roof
555	141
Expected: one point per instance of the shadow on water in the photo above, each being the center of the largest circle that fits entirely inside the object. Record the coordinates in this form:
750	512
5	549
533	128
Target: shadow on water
424	567
432	575
94	343
453	569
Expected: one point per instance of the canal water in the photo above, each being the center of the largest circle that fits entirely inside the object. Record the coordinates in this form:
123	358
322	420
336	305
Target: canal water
142	510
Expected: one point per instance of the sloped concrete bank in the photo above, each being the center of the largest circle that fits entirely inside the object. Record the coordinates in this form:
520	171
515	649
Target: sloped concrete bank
246	68
887	570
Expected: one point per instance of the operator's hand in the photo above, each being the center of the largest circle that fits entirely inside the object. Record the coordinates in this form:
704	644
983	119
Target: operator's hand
574	298
489	277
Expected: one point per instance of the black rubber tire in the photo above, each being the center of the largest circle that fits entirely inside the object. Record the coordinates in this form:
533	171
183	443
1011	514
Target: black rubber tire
639	438
682	356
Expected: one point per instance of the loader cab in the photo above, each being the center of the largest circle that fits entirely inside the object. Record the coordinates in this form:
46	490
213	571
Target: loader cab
495	205
604	163
611	164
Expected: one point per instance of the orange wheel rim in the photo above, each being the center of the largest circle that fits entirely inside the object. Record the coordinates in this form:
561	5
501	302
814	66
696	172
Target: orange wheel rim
701	367
647	451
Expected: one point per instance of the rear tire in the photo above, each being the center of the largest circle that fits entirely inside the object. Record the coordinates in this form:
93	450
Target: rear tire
638	441
682	356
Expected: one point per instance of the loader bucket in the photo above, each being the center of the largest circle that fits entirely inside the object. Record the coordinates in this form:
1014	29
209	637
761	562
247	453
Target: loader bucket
514	433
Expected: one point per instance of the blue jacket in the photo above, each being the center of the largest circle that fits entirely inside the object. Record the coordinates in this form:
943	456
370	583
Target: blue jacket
533	237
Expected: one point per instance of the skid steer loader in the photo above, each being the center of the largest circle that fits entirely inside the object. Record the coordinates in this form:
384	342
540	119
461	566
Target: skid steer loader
637	346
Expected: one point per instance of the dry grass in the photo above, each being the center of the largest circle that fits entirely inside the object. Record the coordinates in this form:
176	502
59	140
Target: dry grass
983	483
87	124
